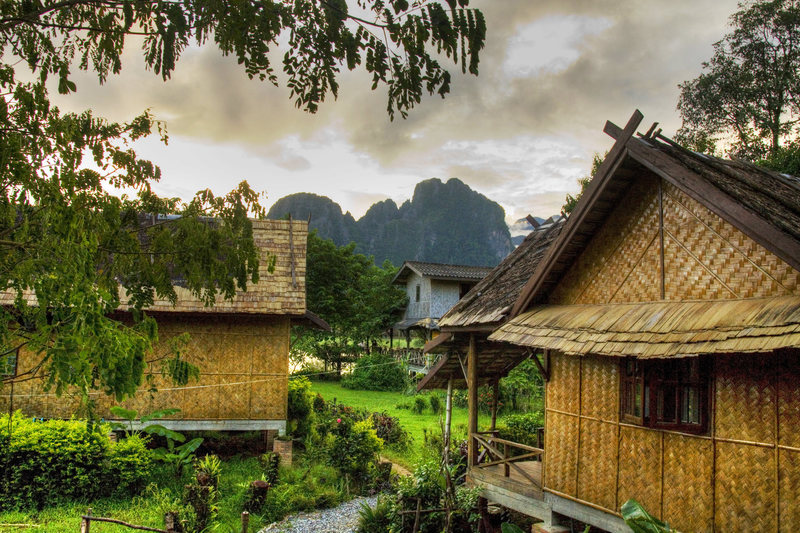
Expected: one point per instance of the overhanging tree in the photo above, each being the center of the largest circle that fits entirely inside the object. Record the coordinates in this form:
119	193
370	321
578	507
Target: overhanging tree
748	95
71	252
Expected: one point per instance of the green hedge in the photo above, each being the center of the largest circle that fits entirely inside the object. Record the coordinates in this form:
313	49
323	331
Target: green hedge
45	462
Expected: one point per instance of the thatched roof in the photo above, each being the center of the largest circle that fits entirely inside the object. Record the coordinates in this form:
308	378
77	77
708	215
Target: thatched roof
482	309
440	271
281	292
659	329
764	205
491	299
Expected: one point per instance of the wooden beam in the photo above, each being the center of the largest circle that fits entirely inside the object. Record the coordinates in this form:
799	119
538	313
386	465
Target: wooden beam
472	382
585	205
541	368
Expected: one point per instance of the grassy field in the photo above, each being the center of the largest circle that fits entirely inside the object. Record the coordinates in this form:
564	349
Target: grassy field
413	423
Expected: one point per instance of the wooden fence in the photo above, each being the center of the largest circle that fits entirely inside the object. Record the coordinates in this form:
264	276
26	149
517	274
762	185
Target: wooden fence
171	523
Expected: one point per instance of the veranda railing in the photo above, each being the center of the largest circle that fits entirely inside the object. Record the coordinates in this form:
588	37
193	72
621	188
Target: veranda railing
494	451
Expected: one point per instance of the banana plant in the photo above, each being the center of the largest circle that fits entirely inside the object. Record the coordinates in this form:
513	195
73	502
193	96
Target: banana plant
178	452
640	521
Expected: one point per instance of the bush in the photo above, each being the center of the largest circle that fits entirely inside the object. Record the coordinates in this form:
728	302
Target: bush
521	428
47	462
420	404
388	429
376	372
300	407
130	465
436	404
354	448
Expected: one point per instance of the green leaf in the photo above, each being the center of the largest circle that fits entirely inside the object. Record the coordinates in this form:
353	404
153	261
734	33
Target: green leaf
640	521
158	429
508	527
125	414
159	414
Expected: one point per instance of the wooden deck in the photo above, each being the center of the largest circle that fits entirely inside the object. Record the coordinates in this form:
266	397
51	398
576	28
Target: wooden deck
516	482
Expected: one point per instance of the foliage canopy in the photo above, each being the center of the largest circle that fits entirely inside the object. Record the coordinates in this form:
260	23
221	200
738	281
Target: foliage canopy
748	95
72	253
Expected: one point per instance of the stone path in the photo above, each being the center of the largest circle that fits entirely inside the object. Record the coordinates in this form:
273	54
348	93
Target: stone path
340	519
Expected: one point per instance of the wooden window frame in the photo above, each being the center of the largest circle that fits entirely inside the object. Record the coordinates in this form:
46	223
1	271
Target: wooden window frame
418	292
650	374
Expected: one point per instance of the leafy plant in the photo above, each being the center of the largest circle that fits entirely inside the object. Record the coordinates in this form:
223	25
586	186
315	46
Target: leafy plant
175	454
376	519
47	461
507	527
640	521
420	404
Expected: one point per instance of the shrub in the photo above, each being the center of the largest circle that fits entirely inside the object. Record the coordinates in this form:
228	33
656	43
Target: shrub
130	465
521	428
354	448
376	372
300	407
376	520
420	404
388	429
436	404
47	462
270	462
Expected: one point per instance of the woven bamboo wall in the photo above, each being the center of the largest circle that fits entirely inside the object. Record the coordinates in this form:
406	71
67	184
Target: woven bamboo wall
743	475
243	374
704	256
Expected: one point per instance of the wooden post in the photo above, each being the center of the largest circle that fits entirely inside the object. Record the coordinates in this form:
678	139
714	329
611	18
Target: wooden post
86	521
495	398
171	523
245	521
472	383
448	417
417	515
505	456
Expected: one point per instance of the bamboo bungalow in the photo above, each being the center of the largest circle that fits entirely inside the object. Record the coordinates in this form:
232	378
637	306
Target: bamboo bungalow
668	310
240	345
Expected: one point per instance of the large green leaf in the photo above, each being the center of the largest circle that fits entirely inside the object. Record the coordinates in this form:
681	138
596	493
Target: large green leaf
640	521
158	429
125	414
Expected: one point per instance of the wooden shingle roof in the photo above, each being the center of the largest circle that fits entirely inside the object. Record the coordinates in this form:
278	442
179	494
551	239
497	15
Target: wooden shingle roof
491	299
659	329
440	271
482	309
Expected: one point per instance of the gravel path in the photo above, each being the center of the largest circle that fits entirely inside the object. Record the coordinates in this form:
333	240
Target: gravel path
341	519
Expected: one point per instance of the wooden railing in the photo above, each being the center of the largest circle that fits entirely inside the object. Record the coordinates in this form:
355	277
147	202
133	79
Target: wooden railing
412	356
494	451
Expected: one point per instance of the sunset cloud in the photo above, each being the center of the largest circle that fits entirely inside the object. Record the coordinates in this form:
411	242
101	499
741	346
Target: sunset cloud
521	132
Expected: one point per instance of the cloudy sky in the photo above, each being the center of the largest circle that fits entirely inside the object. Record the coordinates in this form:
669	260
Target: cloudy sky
522	132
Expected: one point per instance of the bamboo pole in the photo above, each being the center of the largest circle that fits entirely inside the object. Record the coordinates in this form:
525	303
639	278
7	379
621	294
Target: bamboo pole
448	417
472	382
495	399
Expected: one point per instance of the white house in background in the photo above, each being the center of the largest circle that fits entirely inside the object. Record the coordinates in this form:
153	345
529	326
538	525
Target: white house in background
432	289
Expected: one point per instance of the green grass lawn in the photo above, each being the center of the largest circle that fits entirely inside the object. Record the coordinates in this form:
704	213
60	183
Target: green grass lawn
413	423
